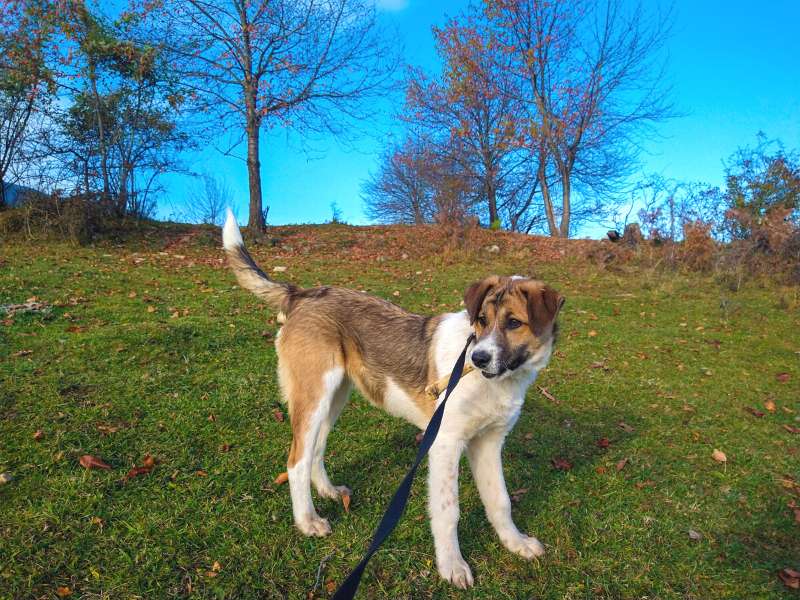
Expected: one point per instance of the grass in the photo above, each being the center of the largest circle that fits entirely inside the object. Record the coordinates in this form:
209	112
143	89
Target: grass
149	349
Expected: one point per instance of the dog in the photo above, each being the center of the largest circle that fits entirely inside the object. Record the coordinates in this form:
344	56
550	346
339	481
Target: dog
332	339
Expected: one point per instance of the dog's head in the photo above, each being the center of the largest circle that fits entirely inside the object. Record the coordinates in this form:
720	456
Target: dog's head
514	319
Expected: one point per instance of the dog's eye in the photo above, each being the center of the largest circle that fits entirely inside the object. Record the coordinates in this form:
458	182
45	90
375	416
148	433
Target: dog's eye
482	320
513	324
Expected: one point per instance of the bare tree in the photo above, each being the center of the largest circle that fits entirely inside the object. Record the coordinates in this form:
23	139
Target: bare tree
401	190
308	65
23	85
207	204
470	111
593	84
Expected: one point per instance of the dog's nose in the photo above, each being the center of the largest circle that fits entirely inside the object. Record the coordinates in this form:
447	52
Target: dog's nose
481	358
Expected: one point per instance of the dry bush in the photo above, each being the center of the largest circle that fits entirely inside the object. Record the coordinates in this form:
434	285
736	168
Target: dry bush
75	218
699	249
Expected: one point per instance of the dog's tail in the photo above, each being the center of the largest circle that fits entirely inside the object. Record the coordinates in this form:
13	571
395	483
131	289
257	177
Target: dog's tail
247	272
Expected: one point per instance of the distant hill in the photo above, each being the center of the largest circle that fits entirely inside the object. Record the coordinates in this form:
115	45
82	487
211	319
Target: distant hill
15	193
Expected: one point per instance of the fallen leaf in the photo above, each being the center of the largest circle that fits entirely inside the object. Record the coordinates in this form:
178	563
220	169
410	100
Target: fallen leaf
517	495
600	470
282	478
23	353
6	478
38	435
797	515
694	535
597	365
418	438
225	448
548	395
330	586
63	591
346	502
719	456
212	418
216	567
791	428
277	414
790	578
592	333
528	436
769	405
151	309
201	473
96	521
88	461
625	427
211	573
621	464
603	443
561	464
644	484
753	411
783	377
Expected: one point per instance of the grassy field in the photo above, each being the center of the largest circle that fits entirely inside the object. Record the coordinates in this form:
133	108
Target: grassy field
147	347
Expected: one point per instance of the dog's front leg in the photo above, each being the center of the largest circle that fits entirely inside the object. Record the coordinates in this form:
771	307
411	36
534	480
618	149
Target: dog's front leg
445	455
485	458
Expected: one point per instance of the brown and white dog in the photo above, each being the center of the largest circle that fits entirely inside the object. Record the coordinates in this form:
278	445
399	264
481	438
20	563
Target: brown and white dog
333	339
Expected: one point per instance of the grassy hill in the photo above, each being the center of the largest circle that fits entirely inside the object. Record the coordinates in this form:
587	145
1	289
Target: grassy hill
146	347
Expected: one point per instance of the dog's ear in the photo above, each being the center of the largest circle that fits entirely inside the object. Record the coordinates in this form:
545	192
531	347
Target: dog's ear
475	294
544	303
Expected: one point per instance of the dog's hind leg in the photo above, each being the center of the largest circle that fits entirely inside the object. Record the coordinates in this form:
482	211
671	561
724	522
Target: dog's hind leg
319	476
310	393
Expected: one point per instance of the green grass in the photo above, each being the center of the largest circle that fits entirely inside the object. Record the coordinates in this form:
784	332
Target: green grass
682	358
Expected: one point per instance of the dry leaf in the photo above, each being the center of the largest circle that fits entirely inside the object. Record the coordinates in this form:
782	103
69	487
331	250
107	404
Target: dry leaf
561	464
719	456
418	438
783	377
548	395
63	591
225	448
753	411
216	567
277	414
791	428
330	586
88	461
600	470
346	502
528	436
625	427
151	309
212	418
6	478
621	464
282	478
694	535
603	443
38	434
790	578
769	405
592	333
201	473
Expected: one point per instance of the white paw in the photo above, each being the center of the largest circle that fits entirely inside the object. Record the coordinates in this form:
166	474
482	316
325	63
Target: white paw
314	526
334	492
456	571
525	546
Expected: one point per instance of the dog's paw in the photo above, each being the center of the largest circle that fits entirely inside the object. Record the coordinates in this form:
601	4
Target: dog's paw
334	492
456	571
314	526
526	546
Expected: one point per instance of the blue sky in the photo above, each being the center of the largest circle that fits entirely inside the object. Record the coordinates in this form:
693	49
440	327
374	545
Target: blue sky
733	67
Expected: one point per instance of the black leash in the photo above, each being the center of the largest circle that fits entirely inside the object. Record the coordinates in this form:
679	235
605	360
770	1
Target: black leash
392	515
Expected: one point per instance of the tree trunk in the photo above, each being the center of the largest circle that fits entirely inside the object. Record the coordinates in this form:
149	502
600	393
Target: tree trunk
253	126
101	137
2	194
491	196
565	203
